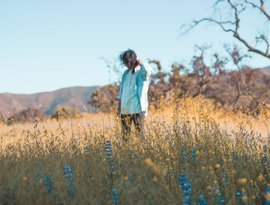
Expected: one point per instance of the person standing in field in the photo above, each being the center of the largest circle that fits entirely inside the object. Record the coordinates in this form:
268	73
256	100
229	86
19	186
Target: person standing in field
133	99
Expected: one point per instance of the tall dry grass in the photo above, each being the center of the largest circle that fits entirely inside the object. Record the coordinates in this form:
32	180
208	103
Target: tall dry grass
194	153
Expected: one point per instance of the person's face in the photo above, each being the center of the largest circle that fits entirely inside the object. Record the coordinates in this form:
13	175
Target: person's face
129	66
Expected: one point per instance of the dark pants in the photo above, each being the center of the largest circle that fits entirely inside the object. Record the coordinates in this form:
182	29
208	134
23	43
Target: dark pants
127	121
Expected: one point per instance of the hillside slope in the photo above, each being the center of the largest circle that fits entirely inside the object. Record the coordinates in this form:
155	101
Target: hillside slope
76	97
265	70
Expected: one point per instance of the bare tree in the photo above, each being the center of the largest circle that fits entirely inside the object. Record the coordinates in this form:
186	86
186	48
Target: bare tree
159	85
156	62
219	64
232	24
200	68
113	67
237	58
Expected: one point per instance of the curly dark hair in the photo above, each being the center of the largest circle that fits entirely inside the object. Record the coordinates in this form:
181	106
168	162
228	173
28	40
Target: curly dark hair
129	59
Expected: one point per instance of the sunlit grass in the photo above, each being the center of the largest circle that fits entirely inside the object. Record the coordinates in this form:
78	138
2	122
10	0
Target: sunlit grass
193	152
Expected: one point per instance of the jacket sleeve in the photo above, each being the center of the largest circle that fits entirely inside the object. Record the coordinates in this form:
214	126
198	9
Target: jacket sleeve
121	87
120	92
146	71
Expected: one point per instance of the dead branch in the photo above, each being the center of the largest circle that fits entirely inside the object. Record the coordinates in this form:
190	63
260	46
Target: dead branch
232	26
260	7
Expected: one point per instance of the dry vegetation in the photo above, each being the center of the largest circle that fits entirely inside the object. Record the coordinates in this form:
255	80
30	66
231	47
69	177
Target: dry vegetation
194	153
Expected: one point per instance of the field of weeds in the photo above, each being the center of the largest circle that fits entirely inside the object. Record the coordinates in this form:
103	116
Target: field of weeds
194	153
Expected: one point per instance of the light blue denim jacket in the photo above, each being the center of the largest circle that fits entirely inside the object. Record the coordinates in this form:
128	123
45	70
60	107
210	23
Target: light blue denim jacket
134	89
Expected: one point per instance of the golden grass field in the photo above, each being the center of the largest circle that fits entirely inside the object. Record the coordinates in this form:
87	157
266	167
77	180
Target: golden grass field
194	153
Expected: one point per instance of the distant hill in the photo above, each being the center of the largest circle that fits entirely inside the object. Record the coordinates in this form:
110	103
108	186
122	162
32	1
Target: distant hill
265	70
76	97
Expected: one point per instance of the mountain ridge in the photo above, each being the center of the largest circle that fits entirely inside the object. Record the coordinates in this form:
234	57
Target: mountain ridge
265	70
48	101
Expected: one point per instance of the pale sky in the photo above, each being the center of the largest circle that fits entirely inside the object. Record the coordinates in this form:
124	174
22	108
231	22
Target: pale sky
50	44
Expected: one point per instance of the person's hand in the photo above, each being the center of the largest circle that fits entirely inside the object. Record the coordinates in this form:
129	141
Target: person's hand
142	114
139	61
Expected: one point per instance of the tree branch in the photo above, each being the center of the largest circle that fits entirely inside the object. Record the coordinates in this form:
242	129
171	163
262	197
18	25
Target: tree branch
235	25
222	24
239	37
265	40
260	7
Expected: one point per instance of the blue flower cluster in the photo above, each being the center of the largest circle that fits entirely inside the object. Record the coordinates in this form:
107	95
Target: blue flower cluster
186	189
109	157
239	198
193	152
109	154
115	196
226	179
49	184
201	200
68	173
264	159
218	196
267	201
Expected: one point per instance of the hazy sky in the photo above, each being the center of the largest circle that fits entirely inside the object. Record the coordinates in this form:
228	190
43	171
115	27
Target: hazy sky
50	44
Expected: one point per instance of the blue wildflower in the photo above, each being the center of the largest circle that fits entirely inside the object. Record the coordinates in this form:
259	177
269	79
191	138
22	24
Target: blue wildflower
264	159
267	201
109	153
201	200
49	185
48	182
115	196
218	195
186	189
193	151
69	180
239	198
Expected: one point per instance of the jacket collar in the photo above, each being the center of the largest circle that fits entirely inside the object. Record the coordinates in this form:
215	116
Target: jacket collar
137	68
